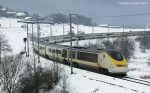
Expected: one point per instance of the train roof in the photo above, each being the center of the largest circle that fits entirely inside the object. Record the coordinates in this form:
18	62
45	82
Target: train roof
77	48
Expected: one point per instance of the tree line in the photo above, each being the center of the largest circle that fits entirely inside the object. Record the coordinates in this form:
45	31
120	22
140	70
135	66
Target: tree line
77	19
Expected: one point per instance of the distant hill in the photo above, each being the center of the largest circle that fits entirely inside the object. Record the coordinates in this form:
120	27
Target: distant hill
89	8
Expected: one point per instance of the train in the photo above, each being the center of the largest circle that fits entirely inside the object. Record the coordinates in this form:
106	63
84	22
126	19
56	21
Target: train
104	60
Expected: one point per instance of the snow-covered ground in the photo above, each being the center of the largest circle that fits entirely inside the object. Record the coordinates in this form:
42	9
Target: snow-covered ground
83	81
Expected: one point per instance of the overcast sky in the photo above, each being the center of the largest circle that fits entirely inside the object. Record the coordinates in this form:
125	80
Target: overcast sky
90	8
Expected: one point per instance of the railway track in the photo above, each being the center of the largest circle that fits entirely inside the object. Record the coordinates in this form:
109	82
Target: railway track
135	80
116	85
66	38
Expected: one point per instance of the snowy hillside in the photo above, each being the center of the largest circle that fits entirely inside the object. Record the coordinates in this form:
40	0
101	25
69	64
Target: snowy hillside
83	81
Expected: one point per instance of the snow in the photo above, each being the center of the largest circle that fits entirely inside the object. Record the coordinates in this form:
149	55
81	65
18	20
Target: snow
139	62
90	81
14	34
20	14
3	9
83	81
11	12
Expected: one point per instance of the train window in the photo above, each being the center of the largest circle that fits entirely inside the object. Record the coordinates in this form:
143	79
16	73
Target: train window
52	50
91	57
116	55
73	54
42	48
58	51
64	53
49	50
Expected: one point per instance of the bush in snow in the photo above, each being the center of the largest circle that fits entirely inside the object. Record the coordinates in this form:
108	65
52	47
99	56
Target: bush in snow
11	69
144	42
125	45
148	61
63	85
37	80
4	46
145	77
91	45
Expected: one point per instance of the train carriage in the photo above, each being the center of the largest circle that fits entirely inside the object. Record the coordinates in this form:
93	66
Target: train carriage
111	61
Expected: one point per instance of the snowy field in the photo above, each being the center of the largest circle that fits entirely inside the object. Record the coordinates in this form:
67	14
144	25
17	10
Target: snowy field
83	81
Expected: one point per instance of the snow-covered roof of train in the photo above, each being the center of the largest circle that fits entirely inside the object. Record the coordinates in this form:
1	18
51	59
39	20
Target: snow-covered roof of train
76	48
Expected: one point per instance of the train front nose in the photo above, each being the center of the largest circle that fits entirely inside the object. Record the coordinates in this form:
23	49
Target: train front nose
122	69
118	61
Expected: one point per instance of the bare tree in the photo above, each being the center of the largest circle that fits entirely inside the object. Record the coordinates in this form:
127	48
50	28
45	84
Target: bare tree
37	79
4	47
148	61
64	84
124	45
127	47
11	68
144	42
91	45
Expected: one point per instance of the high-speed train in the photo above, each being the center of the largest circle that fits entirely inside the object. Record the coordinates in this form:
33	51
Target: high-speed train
107	61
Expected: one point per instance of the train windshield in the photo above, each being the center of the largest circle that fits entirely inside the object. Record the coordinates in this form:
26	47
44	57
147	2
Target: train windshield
115	55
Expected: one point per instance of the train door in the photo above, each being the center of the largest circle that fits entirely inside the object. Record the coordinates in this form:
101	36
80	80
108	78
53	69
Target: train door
64	54
57	54
53	53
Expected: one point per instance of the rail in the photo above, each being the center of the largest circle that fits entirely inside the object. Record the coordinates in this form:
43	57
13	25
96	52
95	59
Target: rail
66	38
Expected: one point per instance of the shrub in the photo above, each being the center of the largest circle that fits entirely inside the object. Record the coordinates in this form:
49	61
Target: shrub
144	42
145	77
39	79
11	68
148	61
